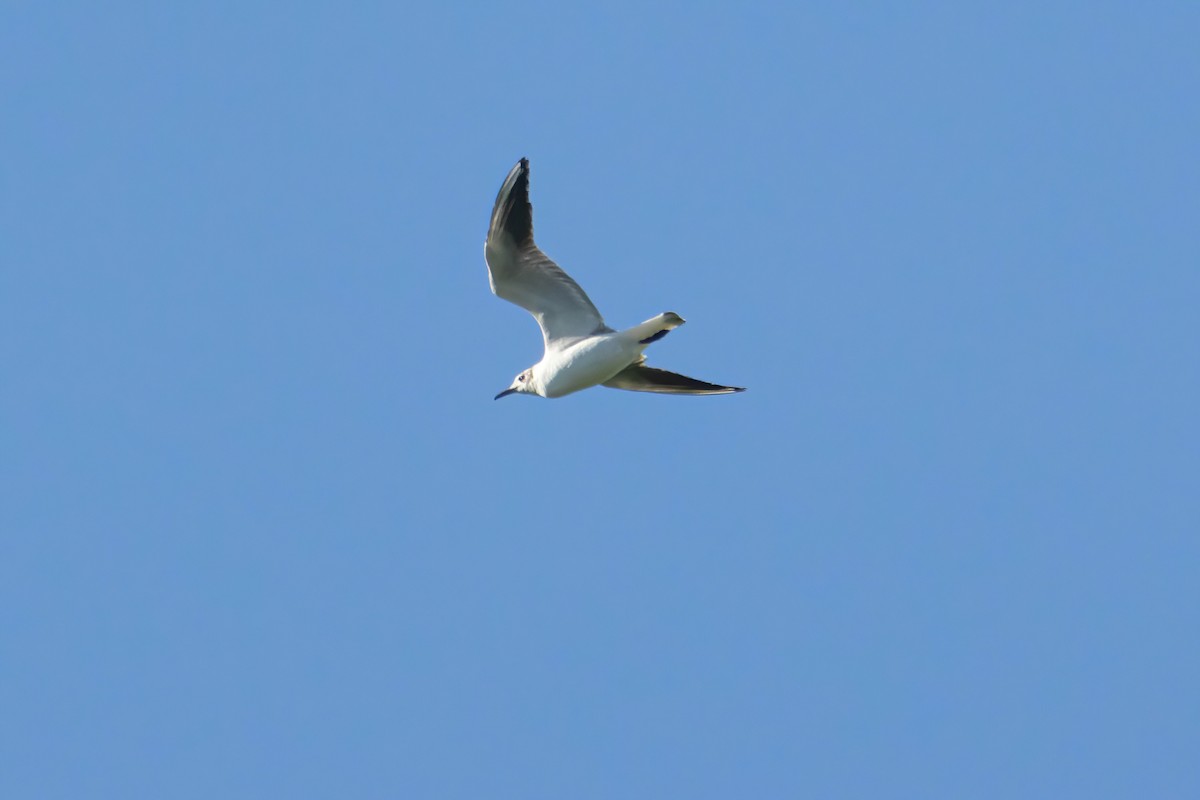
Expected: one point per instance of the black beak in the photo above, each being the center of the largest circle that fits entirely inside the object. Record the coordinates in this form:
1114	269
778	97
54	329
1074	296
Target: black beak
502	394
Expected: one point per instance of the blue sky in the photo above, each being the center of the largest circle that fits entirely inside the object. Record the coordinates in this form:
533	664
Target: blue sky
266	534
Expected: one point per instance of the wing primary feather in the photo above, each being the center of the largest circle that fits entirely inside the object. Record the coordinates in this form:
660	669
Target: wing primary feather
640	378
513	213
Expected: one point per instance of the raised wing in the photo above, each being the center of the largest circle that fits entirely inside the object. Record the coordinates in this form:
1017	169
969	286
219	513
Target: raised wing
640	378
523	274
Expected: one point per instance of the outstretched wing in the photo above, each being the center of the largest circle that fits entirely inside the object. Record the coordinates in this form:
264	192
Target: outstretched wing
640	378
523	274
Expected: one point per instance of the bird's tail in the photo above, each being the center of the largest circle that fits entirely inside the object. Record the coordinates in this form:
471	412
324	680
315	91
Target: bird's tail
654	329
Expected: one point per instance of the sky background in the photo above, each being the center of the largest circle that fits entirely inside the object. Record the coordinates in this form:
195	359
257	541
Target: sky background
264	533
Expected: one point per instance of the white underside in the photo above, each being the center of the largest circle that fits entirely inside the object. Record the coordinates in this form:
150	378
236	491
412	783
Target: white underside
585	362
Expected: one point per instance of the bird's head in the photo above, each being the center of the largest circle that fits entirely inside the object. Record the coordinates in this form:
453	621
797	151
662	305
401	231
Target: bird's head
522	384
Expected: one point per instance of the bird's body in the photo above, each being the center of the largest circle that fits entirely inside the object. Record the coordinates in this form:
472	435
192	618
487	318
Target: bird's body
583	364
581	351
592	360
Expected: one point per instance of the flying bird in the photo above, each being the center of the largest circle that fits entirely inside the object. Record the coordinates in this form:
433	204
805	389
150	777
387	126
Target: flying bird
581	351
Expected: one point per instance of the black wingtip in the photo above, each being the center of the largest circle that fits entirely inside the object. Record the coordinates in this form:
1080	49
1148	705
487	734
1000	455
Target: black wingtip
513	214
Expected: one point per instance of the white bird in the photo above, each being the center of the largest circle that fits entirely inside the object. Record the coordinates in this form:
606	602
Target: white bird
581	351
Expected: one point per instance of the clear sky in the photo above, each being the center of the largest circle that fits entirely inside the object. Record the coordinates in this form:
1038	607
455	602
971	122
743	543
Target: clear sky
264	533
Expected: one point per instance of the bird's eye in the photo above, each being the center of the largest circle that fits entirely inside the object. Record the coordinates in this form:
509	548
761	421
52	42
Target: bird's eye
521	378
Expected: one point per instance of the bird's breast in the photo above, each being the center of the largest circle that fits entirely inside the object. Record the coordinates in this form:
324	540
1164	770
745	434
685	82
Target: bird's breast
586	363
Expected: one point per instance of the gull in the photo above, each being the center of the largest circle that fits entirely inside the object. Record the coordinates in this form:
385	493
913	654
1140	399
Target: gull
580	350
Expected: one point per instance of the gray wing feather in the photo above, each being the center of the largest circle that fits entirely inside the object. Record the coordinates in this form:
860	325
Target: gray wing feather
522	274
